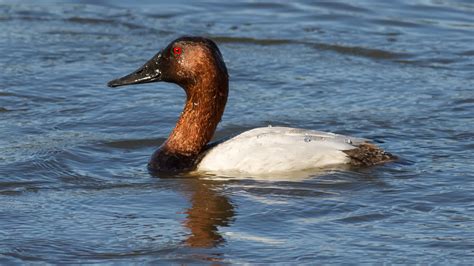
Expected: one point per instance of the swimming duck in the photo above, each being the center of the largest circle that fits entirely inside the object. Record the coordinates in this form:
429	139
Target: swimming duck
196	65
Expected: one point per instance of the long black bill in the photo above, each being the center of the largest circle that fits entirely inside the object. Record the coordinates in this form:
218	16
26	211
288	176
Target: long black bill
149	72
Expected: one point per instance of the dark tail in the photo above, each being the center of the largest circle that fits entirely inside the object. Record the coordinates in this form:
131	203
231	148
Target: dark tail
367	154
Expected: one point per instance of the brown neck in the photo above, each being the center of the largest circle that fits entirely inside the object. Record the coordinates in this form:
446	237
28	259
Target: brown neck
205	103
202	112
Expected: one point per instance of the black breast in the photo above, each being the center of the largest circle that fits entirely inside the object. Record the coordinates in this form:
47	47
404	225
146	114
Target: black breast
164	161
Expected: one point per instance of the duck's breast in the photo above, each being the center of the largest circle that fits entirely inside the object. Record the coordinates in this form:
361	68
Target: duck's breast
278	149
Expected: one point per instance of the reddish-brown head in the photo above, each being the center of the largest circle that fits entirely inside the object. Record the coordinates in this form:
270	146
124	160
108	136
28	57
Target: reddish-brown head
186	61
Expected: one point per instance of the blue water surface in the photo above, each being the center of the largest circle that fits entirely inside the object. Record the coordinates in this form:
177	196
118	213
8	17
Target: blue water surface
74	187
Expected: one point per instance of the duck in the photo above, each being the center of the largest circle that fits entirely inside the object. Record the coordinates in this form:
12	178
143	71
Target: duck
196	64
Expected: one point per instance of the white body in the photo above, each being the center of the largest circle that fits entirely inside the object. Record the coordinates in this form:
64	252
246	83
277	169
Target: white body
270	150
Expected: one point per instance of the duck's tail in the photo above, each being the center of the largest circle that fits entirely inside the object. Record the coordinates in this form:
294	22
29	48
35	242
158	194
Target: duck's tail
367	154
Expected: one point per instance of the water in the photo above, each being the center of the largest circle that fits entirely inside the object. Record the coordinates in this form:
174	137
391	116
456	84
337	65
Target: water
73	181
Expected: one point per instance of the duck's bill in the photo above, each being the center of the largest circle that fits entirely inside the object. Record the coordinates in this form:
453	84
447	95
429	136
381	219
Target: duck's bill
149	72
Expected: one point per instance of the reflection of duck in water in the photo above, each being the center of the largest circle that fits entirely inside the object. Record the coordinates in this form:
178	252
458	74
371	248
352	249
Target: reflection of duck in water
196	65
209	210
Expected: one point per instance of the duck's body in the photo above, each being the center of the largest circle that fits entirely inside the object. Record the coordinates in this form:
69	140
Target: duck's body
278	149
196	65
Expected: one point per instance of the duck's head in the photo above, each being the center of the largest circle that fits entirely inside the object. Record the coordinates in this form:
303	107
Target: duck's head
186	61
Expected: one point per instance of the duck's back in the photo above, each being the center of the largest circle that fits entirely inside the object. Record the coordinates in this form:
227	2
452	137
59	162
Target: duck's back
278	149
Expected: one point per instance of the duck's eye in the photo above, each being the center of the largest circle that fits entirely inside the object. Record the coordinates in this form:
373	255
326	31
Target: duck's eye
177	51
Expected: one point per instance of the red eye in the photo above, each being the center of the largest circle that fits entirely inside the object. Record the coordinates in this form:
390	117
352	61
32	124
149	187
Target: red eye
177	51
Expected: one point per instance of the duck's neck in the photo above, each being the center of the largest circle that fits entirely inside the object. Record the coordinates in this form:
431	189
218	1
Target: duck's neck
196	126
205	103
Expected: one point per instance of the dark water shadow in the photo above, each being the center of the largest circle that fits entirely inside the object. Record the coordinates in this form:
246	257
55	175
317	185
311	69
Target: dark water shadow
209	210
358	51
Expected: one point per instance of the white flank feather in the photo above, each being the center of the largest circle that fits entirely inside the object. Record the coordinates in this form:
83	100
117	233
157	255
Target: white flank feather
269	150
